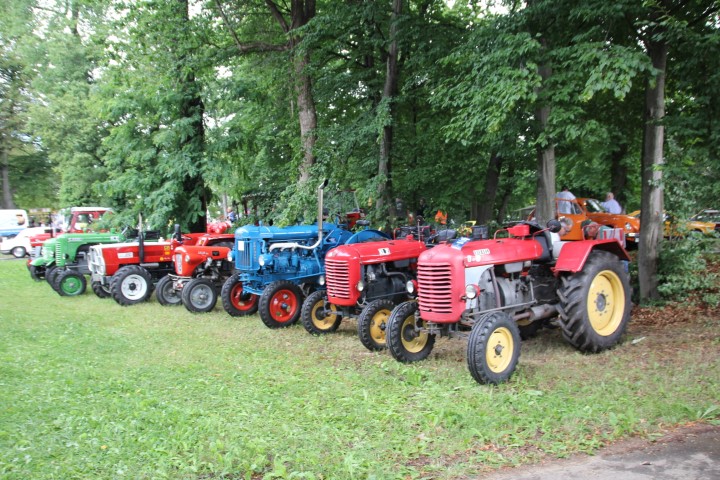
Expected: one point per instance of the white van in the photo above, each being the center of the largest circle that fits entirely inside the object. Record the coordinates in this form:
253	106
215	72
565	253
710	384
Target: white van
12	222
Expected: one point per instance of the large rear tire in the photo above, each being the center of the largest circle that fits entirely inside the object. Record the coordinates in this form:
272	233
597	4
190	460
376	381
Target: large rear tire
312	316
372	324
235	300
70	283
595	303
165	292
130	285
405	342
199	295
280	304
493	348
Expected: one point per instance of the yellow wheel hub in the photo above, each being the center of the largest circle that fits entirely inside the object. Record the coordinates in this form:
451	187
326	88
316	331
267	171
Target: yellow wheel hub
323	322
412	340
606	303
378	324
500	349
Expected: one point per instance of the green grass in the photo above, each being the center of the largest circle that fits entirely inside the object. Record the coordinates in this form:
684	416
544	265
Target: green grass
89	389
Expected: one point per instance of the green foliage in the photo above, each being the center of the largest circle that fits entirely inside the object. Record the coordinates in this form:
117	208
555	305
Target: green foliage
683	268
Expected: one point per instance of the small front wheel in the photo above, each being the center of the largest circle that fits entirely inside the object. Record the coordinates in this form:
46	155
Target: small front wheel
165	292
493	348
372	324
280	304
406	340
235	300
70	283
318	316
199	295
101	290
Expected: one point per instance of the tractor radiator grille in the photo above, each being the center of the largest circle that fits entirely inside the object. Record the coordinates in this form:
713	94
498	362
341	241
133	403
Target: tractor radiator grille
337	278
248	252
435	288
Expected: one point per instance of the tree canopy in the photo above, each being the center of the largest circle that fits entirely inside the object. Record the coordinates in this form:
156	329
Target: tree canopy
173	109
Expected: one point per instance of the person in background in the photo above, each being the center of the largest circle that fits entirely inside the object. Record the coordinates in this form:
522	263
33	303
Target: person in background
422	208
231	215
610	204
565	198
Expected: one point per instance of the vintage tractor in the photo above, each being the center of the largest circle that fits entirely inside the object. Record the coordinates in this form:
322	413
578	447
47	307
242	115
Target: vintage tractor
63	260
200	271
495	292
365	281
282	265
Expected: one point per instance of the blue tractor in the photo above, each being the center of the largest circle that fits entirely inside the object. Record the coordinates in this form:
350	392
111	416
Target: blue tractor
276	268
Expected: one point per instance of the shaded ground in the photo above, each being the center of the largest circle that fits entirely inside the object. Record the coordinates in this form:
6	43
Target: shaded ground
690	452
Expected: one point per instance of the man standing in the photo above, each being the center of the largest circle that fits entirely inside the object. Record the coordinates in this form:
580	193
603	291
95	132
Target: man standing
610	204
564	200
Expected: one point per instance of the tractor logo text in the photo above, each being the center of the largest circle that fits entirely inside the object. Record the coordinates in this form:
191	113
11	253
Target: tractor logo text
125	255
478	255
384	251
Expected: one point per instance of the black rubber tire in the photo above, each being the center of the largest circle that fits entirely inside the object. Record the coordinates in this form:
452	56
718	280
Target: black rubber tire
130	285
199	295
280	304
101	290
236	302
70	283
18	252
493	348
51	274
595	303
404	343
166	294
314	324
372	324
37	273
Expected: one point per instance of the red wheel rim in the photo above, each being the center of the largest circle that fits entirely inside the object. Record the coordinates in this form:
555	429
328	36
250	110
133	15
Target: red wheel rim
240	299
283	306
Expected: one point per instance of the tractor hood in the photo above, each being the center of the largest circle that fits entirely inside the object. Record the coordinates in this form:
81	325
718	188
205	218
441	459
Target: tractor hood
377	252
466	253
277	234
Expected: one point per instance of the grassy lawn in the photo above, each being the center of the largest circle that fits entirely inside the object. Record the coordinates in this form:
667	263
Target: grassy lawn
90	389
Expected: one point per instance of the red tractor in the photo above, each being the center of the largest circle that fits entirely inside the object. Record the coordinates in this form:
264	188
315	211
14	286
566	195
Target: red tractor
495	292
200	272
129	271
365	281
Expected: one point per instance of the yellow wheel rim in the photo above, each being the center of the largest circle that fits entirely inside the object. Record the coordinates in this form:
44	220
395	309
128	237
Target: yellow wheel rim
323	322
413	341
606	303
378	324
500	349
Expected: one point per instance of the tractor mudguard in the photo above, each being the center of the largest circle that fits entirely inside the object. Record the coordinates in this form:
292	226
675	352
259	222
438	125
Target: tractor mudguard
573	255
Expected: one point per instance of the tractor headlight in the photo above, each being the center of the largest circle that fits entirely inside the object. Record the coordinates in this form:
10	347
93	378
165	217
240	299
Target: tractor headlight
265	260
230	256
321	280
187	258
360	286
410	287
471	291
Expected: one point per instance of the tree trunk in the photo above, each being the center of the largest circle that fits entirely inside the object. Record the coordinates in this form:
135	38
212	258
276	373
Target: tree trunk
651	217
507	193
492	178
545	202
618	174
7	198
389	92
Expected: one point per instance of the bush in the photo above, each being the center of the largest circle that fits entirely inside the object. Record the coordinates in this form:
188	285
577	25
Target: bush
683	268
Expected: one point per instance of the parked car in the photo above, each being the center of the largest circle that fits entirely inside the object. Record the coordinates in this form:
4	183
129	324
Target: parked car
595	212
20	245
708	216
675	227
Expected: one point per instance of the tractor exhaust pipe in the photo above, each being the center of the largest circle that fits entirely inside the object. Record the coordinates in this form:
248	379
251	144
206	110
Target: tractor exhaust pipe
285	245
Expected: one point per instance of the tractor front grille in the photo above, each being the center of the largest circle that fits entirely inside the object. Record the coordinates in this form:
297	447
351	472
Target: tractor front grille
248	252
435	288
337	279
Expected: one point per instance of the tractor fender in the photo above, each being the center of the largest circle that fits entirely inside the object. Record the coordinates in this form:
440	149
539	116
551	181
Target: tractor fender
573	255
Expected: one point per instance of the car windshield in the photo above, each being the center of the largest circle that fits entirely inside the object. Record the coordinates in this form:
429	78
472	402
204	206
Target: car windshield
593	206
708	216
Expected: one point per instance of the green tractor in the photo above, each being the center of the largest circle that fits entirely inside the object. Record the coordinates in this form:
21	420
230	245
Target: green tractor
63	260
